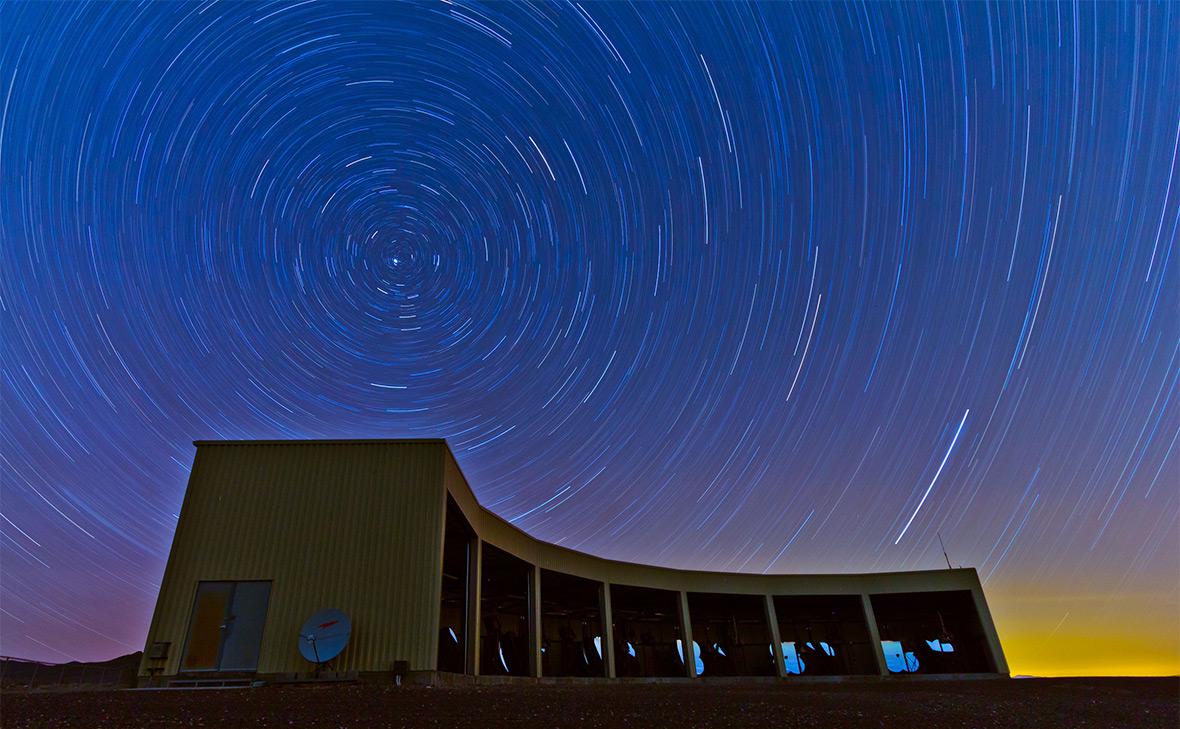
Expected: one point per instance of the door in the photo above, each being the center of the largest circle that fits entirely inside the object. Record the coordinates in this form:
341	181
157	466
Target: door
225	630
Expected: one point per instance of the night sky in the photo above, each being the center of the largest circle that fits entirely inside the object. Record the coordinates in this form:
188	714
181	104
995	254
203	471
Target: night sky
778	288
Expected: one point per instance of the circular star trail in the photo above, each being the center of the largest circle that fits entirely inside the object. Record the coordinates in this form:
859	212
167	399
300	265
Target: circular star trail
781	288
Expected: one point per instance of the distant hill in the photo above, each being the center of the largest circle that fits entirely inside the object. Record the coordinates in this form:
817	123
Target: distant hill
18	673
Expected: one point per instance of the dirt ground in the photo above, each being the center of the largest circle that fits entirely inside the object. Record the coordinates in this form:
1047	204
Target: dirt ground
1097	702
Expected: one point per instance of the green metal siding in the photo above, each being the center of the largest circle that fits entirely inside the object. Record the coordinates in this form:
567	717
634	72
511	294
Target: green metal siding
350	525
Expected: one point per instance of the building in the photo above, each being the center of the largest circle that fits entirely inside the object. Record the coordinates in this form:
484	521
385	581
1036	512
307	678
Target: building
436	587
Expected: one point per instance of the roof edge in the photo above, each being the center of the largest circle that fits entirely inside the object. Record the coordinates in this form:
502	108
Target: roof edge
963	569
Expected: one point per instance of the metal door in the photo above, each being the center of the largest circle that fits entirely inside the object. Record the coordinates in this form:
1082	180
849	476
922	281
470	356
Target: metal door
225	631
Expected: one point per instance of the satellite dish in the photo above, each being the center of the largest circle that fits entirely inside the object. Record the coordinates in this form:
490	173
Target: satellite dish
324	635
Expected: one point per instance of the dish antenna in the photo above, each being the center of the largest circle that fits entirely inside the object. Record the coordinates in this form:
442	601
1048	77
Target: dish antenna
324	636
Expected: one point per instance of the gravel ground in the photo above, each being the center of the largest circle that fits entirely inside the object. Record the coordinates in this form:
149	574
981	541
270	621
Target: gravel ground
1096	702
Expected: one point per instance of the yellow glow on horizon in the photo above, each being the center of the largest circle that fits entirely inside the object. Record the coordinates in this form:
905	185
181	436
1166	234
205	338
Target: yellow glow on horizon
1091	634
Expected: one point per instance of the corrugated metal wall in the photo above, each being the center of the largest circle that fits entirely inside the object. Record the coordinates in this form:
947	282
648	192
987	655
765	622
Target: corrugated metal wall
349	525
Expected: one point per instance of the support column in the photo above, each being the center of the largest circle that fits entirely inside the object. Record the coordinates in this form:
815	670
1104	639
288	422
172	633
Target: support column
608	630
690	658
474	583
535	622
995	649
874	635
776	642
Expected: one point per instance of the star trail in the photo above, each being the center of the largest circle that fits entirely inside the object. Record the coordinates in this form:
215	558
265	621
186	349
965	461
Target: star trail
769	288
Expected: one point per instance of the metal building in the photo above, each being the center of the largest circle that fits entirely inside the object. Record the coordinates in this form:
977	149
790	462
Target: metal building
437	587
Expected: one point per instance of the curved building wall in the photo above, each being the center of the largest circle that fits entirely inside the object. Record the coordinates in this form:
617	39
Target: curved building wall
271	531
